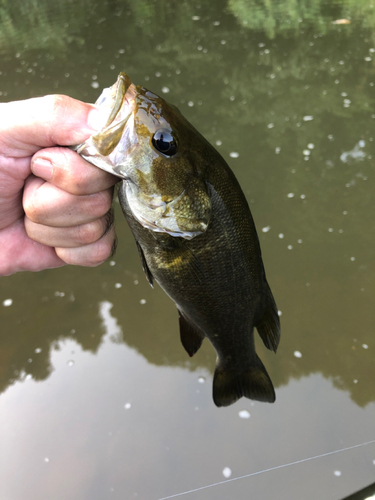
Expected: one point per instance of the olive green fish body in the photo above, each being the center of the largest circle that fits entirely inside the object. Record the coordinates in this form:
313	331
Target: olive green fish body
194	232
218	283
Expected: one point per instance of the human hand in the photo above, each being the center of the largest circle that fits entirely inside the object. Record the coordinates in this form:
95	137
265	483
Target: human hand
55	208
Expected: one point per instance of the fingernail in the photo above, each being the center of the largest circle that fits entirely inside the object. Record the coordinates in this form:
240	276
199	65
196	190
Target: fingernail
42	167
96	118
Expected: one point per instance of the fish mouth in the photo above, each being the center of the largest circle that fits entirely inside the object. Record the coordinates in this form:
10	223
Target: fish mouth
116	105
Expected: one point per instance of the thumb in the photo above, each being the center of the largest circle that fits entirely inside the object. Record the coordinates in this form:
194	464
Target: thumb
27	126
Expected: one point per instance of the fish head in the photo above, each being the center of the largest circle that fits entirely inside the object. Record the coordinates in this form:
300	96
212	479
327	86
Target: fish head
154	149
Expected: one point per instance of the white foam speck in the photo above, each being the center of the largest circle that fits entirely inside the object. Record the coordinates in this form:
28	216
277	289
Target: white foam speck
190	104
303	196
218	143
46	459
308	118
7	302
195	18
311	145
337	473
277	150
127	406
306	152
165	90
112	263
270	125
118	285
297	354
266	229
38	350
352	259
365	346
143	301
279	313
70	362
290	247
95	85
290	195
201	380
234	154
281	236
227	472
244	414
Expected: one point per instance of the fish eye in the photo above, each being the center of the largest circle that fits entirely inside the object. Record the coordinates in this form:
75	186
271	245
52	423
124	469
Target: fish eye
164	142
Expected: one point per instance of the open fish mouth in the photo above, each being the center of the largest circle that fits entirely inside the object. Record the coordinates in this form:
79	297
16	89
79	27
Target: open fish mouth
116	105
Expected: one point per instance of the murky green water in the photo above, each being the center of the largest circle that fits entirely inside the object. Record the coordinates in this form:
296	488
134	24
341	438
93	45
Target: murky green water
98	398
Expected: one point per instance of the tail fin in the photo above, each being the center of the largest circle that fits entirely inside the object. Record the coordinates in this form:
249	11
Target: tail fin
253	383
269	324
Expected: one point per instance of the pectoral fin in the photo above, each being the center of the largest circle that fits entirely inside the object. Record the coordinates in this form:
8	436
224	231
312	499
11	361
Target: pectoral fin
145	267
191	336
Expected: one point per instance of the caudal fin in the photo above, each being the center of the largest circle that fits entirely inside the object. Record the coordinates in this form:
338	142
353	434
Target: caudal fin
253	383
269	324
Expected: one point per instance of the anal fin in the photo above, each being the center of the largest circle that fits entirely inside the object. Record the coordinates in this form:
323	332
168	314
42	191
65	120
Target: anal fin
145	267
191	336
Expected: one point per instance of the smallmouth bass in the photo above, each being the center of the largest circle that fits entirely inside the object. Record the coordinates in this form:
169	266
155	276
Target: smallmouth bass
194	232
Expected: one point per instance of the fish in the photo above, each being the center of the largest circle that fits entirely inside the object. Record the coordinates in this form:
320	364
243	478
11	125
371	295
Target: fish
194	233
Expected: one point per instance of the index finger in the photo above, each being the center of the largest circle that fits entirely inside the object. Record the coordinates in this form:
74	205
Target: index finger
69	171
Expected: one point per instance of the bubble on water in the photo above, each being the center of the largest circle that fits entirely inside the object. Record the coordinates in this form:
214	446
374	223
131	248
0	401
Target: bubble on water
127	406
201	380
307	118
290	247
112	263
266	229
244	414
234	154
7	302
196	18
297	354
38	350
303	196
227	472
355	381
223	42
337	473
281	236
190	104
30	360
362	143
290	195
373	462
46	459
142	301
279	313
352	259
28	377
311	145
118	285
270	125
306	152
95	85
368	58
136	282
59	294
277	150
165	90
218	143
299	241
158	74
365	346
70	362
330	230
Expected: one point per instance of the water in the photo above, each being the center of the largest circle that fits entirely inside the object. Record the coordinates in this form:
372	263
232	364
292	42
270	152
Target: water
98	398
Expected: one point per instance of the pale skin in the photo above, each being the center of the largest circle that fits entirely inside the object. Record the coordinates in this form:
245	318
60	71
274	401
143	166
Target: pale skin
54	206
